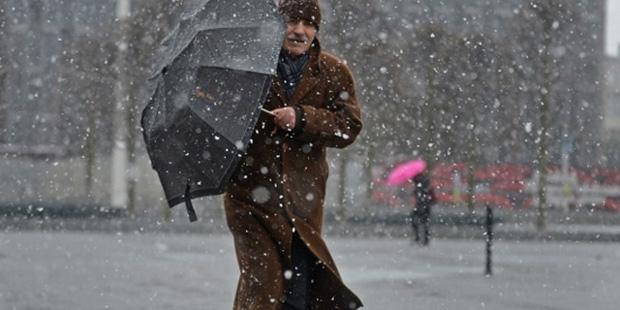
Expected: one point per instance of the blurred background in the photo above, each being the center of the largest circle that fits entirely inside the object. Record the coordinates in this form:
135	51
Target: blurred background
514	104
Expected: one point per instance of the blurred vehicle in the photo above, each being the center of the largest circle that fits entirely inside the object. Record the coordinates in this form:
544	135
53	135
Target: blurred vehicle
512	186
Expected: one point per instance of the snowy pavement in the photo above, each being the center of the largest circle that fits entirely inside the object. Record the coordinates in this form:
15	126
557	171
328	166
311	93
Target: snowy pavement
67	271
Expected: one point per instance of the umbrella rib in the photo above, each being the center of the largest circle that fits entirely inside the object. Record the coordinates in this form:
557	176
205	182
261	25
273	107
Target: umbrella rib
189	42
229	26
235	69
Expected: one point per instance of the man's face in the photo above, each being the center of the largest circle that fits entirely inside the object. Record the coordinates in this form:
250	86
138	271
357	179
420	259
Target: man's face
299	36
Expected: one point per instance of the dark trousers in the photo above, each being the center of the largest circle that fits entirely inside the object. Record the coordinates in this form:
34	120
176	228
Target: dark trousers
421	223
298	292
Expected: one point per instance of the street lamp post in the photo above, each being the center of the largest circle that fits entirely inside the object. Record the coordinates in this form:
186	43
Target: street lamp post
4	25
120	155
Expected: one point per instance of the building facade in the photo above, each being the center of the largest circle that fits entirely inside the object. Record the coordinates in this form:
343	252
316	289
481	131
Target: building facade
58	92
41	103
57	77
612	96
517	30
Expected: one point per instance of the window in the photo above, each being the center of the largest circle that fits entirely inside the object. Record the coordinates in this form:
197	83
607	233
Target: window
614	105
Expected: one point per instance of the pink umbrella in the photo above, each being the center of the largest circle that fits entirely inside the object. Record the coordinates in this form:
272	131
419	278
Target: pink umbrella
406	171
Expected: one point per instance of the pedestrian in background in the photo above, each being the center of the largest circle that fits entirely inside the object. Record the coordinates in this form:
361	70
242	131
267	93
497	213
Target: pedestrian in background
421	214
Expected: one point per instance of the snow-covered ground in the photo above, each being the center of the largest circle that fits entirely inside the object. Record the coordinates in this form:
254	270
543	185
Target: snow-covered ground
66	271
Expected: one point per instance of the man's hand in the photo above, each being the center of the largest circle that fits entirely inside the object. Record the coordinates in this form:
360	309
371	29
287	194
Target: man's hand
284	118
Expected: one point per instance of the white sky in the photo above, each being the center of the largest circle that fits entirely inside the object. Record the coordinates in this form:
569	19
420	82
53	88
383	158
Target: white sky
613	27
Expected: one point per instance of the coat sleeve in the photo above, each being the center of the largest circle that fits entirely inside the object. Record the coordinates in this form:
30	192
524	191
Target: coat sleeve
339	123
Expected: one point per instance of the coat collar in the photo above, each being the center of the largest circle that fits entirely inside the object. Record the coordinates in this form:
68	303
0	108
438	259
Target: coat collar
309	80
314	63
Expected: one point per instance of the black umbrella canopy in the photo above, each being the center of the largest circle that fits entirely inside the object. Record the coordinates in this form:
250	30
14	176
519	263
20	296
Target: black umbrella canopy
212	76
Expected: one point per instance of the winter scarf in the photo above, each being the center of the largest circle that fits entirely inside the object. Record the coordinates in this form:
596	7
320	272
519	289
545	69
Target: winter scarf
290	70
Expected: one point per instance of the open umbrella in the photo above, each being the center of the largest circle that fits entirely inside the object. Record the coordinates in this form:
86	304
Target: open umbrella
212	75
404	172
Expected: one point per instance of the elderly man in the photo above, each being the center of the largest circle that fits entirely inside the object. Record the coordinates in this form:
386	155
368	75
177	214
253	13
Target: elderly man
274	204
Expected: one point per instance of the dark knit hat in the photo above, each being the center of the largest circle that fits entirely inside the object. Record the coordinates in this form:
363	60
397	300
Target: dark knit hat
307	10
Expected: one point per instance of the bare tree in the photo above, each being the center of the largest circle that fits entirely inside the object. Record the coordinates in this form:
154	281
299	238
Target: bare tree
475	73
547	11
92	82
149	23
349	24
432	51
4	25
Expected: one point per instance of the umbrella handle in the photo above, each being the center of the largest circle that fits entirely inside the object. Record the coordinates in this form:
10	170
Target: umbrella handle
267	111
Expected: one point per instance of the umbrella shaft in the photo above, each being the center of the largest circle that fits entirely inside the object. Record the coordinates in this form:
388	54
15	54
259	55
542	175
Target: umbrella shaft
267	111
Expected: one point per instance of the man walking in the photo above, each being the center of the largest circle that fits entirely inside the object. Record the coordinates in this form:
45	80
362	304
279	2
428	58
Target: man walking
274	204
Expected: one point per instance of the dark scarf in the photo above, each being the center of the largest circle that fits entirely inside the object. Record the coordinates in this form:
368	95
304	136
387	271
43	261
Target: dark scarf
290	70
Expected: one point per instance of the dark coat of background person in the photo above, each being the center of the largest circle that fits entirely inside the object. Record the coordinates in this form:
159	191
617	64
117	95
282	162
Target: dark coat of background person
279	189
421	213
424	195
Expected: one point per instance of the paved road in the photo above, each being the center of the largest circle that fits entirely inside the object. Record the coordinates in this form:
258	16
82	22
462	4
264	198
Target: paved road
67	271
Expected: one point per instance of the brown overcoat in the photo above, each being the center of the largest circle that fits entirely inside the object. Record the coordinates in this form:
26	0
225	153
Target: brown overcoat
279	188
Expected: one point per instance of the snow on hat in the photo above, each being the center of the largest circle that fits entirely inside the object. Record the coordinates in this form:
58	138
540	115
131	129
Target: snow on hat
307	10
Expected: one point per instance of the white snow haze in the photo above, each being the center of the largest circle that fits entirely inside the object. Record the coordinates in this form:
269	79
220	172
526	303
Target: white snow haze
613	27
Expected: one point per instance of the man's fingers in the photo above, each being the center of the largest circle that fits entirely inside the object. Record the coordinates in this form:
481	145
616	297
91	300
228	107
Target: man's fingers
283	118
